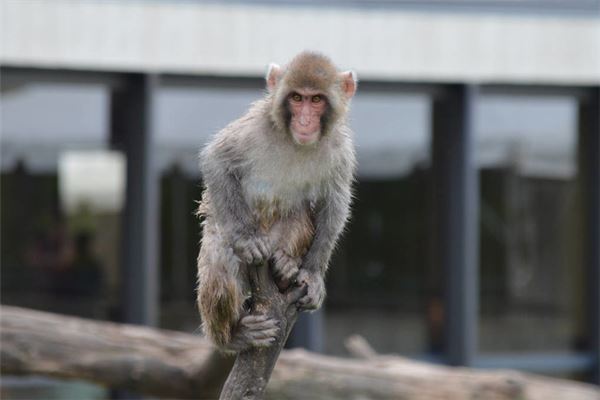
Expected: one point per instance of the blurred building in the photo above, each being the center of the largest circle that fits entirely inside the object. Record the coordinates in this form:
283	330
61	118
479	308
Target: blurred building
475	237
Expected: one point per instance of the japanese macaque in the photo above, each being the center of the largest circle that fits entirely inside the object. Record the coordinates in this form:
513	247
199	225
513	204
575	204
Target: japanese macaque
277	189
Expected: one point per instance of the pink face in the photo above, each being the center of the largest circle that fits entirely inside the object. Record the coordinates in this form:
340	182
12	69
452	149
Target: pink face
307	108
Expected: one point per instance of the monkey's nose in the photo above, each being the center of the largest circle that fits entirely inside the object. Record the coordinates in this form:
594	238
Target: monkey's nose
304	121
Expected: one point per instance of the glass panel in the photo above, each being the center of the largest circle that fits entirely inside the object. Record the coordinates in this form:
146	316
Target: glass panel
379	279
61	197
531	262
180	237
186	119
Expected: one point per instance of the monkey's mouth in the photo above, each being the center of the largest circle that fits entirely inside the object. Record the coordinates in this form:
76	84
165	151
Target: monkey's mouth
305	131
304	137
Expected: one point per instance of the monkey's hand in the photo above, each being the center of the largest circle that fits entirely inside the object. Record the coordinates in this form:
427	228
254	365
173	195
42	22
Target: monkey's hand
285	268
252	249
315	286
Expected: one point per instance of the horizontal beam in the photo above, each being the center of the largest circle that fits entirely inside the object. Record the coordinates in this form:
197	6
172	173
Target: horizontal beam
16	76
577	91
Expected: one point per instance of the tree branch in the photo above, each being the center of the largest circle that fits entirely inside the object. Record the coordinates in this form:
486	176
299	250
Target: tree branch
252	369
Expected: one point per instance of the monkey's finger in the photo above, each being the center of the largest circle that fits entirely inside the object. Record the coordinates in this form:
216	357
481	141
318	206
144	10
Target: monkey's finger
286	267
262	325
262	342
245	255
262	247
308	302
278	271
308	307
254	319
290	271
297	293
304	300
249	253
256	254
277	260
264	334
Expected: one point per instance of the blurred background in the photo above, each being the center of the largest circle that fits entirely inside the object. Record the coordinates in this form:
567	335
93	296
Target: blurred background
475	236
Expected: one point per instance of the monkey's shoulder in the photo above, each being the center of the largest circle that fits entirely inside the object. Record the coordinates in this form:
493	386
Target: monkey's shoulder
238	134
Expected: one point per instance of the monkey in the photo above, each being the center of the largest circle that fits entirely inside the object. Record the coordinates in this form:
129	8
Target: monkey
277	188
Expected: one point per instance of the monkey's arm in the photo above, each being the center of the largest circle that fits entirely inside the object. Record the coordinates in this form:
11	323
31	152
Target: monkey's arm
230	209
331	215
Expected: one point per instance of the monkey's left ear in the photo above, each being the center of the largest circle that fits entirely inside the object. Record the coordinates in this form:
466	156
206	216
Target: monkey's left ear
349	83
273	75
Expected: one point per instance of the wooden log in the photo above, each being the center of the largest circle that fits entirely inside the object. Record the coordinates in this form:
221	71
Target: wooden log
148	361
176	365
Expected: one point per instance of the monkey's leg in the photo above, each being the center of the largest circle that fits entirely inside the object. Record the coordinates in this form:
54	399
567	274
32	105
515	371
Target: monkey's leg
285	268
292	235
222	291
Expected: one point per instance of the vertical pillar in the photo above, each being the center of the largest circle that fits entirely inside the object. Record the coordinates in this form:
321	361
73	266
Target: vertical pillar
132	131
456	214
589	147
179	215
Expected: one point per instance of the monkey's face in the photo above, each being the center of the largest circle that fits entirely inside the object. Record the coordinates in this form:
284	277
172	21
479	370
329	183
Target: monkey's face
307	109
308	97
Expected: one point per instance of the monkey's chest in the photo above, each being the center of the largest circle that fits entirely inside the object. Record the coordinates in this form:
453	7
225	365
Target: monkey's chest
278	196
279	182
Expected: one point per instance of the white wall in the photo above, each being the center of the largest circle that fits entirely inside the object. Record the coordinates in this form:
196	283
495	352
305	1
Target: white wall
237	39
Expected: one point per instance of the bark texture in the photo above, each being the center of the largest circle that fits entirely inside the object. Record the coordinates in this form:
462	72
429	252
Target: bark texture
252	368
176	365
153	362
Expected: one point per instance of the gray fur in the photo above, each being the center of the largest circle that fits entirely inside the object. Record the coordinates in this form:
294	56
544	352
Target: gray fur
260	188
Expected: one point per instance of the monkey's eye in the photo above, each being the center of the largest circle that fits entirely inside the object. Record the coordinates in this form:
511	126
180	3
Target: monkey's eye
316	99
296	97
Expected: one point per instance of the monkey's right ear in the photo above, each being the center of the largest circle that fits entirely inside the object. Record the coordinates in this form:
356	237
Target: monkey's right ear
273	75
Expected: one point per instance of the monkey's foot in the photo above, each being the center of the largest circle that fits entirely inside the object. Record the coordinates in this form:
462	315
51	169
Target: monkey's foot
285	269
252	250
256	330
315	290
